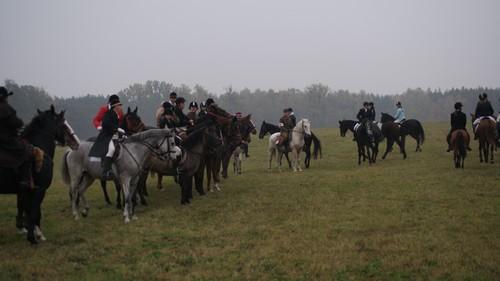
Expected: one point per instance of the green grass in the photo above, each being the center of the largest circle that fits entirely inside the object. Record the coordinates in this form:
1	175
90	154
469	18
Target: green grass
414	219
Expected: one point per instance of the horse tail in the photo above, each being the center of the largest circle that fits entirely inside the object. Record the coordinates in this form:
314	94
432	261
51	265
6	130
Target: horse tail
64	169
317	146
421	132
461	144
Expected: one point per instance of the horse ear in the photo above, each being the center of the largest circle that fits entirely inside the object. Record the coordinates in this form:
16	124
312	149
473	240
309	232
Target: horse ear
62	113
52	109
340	122
39	112
135	110
128	109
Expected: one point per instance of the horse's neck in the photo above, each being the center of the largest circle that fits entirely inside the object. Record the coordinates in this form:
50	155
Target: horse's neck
139	151
45	142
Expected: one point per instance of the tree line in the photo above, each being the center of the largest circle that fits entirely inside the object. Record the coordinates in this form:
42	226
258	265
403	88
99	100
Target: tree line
319	103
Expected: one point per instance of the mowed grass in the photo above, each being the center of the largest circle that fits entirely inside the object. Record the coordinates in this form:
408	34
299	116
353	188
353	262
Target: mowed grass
414	219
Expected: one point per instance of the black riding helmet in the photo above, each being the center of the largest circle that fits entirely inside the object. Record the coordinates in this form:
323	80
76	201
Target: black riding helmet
193	104
458	105
4	93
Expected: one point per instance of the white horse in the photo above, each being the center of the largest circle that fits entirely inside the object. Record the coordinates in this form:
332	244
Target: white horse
295	144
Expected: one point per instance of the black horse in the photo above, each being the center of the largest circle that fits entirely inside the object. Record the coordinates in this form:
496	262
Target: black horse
266	128
410	127
46	128
368	136
394	134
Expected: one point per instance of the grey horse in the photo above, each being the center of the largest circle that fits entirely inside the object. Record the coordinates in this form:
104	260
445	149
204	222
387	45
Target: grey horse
79	172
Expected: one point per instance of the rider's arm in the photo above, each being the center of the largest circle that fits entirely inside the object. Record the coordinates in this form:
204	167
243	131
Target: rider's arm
97	121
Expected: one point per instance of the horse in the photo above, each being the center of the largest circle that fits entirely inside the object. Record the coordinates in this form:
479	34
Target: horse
410	127
368	137
247	128
219	157
459	141
44	130
296	144
393	132
201	139
79	172
485	132
131	124
309	141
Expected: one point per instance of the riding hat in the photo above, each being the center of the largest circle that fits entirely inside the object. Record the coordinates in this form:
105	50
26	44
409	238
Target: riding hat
4	93
458	105
180	100
173	95
114	102
113	98
290	110
365	103
193	104
398	103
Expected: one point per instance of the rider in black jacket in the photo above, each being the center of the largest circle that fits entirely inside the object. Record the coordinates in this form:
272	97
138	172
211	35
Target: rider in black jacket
458	121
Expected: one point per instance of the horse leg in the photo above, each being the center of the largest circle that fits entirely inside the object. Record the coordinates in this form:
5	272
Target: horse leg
87	181
216	175
28	203
480	151
401	144
272	152
105	191
360	152
20	218
209	175
158	184
75	195
198	181
492	148
118	190
37	215
389	144
299	165
127	195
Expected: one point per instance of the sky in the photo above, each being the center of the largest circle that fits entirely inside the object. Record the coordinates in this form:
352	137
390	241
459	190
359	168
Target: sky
73	48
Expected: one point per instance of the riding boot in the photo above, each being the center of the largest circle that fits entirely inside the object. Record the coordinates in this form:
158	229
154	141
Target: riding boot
26	177
107	172
245	149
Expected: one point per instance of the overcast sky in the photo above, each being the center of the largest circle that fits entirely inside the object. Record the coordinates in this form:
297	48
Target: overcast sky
77	47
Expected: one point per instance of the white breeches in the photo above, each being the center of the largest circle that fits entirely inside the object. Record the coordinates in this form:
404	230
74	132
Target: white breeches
111	149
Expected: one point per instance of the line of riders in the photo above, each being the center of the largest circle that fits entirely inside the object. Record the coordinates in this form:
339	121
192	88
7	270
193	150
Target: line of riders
458	119
16	153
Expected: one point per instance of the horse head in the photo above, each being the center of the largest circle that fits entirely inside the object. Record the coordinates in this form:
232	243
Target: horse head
343	128
132	122
247	127
384	118
305	126
263	130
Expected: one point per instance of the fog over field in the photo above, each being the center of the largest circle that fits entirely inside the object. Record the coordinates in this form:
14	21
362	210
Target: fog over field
73	48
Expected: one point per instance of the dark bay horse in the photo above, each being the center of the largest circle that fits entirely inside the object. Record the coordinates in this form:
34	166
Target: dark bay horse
367	142
393	133
459	141
485	132
45	129
410	127
268	128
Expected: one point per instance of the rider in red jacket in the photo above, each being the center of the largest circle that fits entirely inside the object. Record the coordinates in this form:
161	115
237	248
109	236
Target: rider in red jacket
97	121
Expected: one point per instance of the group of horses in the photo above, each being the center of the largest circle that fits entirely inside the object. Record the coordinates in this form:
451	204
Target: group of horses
369	134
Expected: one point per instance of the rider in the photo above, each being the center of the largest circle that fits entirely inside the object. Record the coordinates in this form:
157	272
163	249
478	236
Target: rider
371	111
203	110
286	126
181	119
291	114
100	114
15	153
399	116
193	112
104	146
364	112
458	122
483	110
172	98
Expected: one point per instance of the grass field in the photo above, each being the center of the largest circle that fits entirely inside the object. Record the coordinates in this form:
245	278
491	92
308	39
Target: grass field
414	219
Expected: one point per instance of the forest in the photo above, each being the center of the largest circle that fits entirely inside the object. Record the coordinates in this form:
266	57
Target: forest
321	104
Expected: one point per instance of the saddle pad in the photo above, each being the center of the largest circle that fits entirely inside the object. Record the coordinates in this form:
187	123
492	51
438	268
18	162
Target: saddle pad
356	127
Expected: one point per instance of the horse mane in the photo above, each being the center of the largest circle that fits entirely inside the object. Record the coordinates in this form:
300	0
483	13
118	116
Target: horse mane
141	136
30	128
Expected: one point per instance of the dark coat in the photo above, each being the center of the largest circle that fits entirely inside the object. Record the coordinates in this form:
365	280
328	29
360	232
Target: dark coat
13	150
293	120
371	114
483	109
110	125
458	121
363	114
182	119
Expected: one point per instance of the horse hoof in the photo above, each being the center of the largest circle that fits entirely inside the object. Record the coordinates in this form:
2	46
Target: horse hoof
134	217
39	234
85	214
127	220
22	230
32	240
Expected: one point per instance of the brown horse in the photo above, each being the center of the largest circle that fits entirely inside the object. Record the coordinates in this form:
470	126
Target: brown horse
459	142
485	132
392	131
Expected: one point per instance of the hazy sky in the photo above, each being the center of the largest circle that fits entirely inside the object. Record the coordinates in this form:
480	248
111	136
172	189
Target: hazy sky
98	47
